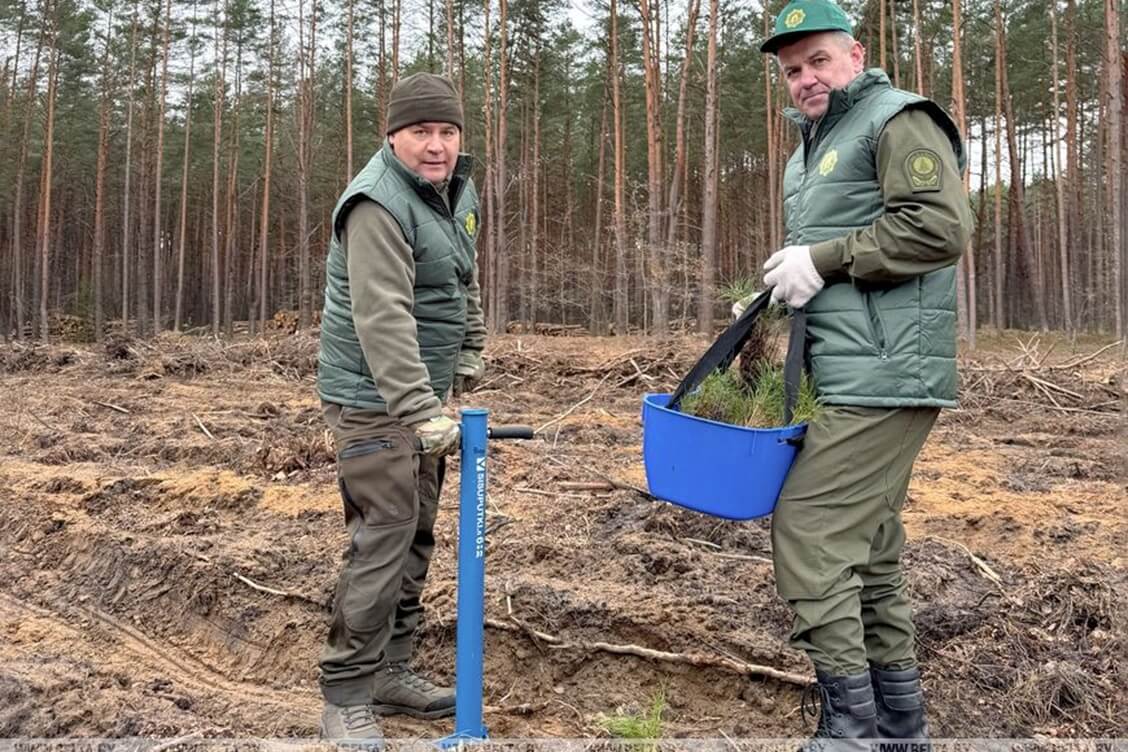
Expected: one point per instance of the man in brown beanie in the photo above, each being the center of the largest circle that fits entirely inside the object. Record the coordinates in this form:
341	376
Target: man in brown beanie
402	324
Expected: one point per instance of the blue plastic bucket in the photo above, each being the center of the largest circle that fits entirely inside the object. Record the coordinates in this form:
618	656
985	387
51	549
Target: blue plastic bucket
716	468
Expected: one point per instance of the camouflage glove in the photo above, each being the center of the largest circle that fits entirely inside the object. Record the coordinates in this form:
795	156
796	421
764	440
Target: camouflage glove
469	371
438	436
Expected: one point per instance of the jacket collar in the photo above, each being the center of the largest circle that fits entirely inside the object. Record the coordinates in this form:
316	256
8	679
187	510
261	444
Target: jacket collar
842	100
428	191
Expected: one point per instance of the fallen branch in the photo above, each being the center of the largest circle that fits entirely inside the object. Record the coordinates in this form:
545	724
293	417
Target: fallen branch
284	593
203	428
606	484
118	408
691	659
574	407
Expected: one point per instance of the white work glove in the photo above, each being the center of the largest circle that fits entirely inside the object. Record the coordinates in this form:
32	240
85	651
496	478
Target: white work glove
792	276
438	436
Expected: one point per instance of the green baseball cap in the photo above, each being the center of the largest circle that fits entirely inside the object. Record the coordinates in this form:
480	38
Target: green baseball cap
802	17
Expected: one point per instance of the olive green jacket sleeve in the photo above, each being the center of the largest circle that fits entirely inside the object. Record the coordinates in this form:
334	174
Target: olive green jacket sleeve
927	223
475	338
381	284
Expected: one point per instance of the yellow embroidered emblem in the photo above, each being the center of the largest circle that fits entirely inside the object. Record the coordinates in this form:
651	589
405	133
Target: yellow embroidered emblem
471	223
826	166
794	18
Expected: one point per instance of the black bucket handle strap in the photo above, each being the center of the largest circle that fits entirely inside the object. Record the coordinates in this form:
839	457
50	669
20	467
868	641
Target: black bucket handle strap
724	350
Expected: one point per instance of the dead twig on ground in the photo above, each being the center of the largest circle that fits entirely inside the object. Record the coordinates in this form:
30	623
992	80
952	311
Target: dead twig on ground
692	659
574	407
203	428
116	408
272	591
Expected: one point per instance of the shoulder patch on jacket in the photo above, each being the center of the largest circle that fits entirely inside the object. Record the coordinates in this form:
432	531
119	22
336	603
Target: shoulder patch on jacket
922	167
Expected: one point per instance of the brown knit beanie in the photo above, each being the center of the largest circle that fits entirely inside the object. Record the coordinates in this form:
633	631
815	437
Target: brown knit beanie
423	98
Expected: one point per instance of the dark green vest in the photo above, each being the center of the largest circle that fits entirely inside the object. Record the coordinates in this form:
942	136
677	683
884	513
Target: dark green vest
443	249
878	346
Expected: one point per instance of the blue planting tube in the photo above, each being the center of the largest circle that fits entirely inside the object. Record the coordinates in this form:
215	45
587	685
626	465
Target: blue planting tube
468	726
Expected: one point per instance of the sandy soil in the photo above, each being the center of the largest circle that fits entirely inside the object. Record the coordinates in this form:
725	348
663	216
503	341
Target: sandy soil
146	488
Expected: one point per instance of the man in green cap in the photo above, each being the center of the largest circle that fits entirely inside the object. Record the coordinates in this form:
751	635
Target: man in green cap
876	218
402	324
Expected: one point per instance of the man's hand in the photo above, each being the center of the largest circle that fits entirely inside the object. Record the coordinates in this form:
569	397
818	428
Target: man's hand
438	436
469	371
792	276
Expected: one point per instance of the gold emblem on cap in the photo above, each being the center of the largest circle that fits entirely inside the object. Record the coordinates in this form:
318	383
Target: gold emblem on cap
794	18
471	223
828	162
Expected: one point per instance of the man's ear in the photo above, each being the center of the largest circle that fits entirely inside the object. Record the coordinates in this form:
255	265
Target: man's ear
858	56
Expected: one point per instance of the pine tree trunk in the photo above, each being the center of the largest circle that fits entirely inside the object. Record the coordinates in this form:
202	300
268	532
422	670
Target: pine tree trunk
501	250
488	272
1062	215
965	269
709	215
674	200
598	279
659	266
919	63
999	308
349	92
1074	224
217	137
158	239
18	273
231	261
534	290
308	53
621	303
1018	192
774	207
1115	161
268	150
100	183
126	194
43	230
182	228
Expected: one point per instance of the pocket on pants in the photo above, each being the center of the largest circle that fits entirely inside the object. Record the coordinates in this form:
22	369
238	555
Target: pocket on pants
378	474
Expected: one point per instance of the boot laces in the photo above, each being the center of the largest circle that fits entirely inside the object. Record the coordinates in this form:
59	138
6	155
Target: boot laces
358	716
812	702
412	679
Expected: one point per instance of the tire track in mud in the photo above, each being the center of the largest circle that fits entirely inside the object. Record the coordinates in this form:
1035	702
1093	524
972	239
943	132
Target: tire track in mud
183	669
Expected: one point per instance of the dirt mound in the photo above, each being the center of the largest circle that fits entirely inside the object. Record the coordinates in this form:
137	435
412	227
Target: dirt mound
173	536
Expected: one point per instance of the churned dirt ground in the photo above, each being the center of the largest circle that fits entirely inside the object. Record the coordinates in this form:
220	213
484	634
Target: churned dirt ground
172	534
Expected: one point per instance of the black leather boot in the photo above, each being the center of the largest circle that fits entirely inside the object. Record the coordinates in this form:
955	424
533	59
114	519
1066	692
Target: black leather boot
846	711
900	704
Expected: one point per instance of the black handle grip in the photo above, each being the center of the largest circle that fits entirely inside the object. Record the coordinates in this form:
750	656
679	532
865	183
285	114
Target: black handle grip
510	432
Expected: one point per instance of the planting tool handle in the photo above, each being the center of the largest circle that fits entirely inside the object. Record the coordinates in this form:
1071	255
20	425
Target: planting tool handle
511	432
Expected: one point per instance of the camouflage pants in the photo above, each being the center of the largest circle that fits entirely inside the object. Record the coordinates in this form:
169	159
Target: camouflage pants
837	537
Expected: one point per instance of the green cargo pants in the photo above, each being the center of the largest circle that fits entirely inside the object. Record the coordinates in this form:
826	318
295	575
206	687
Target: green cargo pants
837	537
390	494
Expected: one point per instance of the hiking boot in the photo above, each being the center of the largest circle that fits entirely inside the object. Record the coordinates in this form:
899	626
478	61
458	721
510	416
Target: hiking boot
352	727
396	688
846	711
900	704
